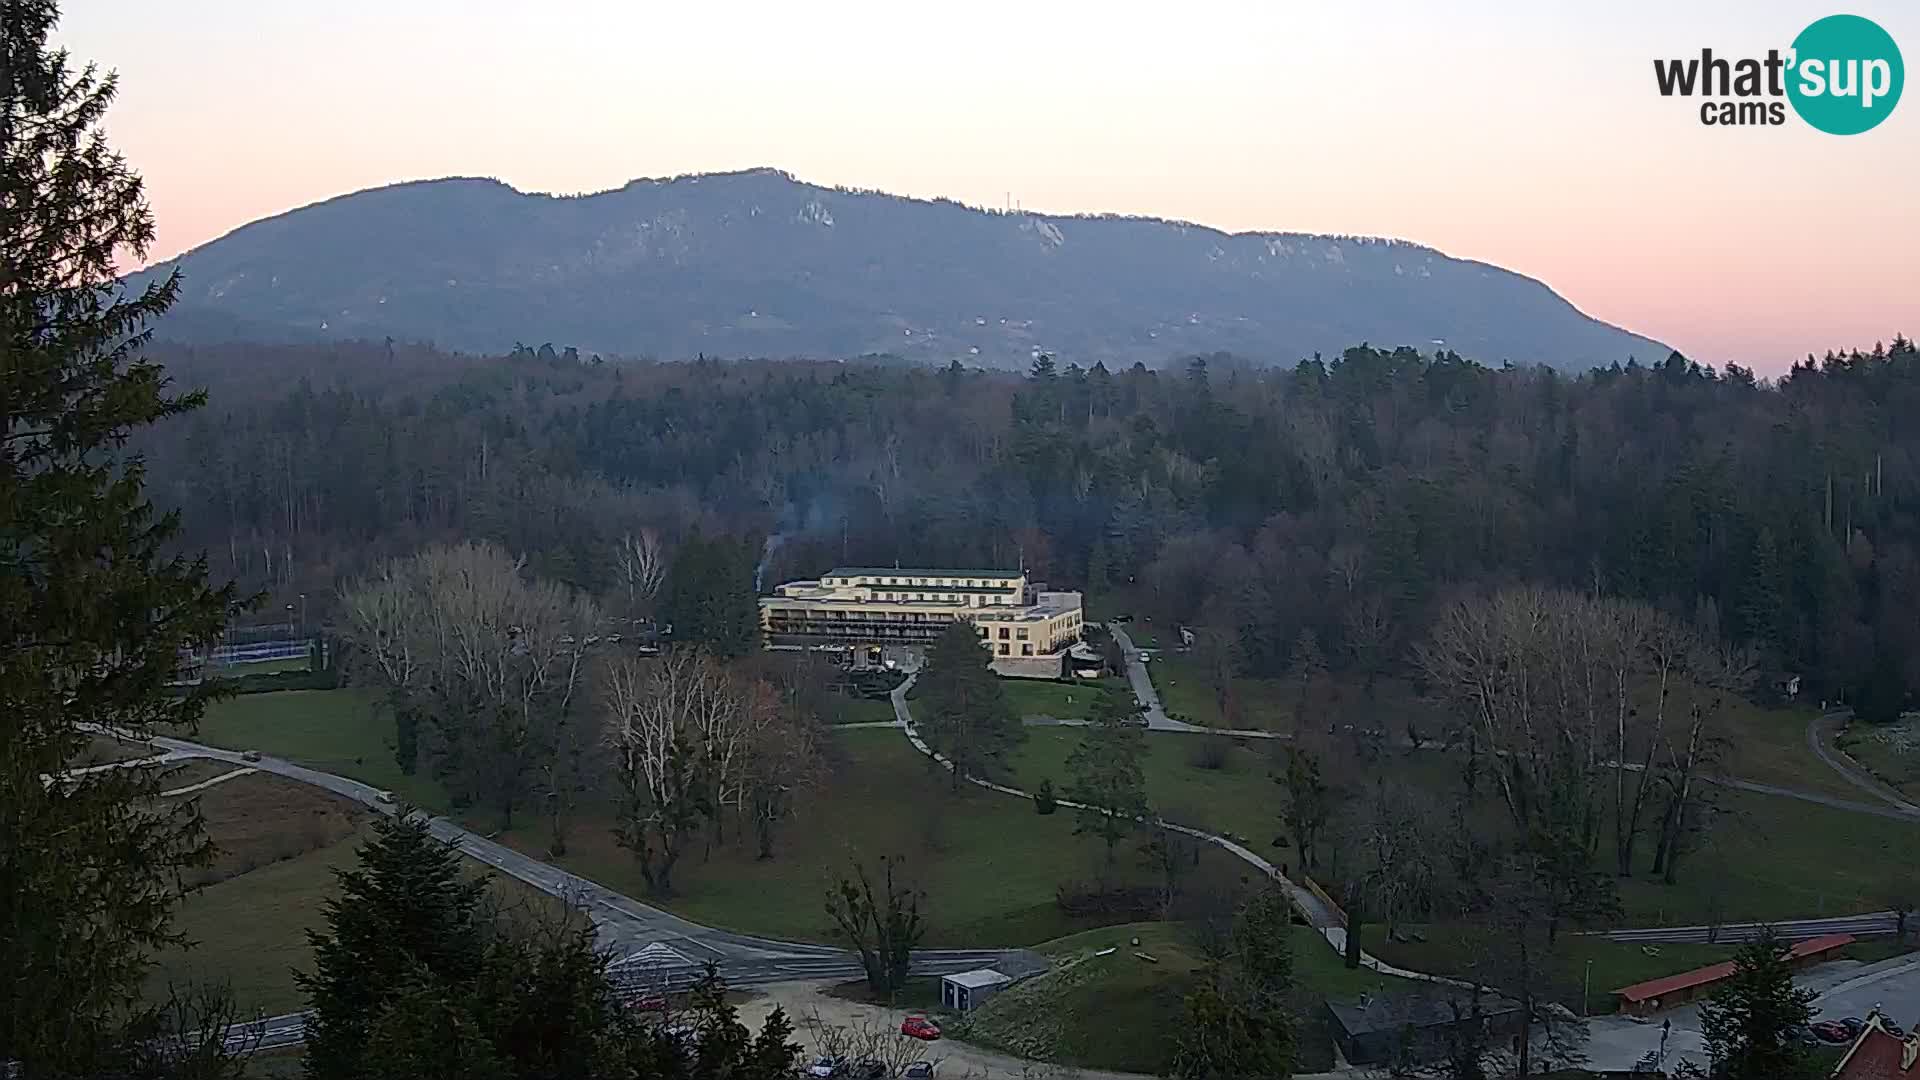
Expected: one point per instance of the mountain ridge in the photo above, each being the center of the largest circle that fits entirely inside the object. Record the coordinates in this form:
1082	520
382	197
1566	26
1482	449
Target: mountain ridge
756	262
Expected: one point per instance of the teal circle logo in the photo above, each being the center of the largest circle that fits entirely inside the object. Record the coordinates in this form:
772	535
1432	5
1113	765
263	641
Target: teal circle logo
1846	75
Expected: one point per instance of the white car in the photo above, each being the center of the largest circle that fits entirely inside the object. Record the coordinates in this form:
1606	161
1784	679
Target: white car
384	796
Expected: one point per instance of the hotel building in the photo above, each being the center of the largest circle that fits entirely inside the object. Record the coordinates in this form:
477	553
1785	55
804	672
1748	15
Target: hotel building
1027	629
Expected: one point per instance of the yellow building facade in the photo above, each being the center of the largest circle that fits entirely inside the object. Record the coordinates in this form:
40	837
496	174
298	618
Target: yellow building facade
1027	629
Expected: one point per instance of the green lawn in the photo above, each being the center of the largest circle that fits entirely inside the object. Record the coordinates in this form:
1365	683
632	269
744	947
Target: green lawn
1239	798
1060	700
1769	857
846	709
1615	965
988	864
1779	858
1122	1012
343	731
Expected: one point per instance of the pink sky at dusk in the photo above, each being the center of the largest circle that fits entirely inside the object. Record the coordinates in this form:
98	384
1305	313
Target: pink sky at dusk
1526	135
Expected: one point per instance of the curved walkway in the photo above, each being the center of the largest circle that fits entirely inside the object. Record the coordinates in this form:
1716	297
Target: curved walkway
1854	774
1323	920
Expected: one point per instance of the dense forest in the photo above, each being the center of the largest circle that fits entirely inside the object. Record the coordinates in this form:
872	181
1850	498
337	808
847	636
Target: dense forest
1346	497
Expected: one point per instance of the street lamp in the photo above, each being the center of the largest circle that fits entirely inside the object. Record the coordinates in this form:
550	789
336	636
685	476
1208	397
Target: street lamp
1586	990
289	621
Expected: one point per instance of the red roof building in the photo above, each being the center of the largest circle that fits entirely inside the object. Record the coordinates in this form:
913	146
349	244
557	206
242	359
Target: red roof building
1877	1055
1664	993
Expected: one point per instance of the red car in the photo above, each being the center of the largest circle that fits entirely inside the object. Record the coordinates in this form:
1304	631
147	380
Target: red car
649	1003
920	1027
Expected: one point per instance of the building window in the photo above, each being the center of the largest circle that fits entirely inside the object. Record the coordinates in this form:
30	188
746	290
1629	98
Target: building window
1003	634
1022	634
1003	649
1026	650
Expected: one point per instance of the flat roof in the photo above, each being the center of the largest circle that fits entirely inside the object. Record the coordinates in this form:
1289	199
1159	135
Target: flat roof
898	571
974	980
1713	973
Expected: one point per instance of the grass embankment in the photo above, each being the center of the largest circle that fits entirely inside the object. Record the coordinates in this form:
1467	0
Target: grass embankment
342	731
277	845
1124	1013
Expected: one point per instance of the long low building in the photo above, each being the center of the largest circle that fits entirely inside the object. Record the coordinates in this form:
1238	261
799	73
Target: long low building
1027	628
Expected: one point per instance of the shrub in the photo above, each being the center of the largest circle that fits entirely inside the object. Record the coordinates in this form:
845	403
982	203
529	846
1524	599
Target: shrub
1044	801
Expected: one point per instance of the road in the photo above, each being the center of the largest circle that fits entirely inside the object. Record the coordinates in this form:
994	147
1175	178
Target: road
654	949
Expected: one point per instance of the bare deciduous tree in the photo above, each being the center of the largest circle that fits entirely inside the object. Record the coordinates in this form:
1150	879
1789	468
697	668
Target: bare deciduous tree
495	661
641	560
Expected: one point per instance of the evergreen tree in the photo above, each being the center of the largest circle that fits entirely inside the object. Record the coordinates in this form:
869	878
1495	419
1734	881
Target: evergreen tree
966	717
1107	777
1750	1021
93	613
1239	1023
709	598
1762	603
406	914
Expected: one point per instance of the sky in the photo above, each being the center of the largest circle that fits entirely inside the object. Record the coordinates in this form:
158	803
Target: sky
1526	133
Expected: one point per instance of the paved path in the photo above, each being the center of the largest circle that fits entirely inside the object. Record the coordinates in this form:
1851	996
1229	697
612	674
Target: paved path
1157	720
1817	730
656	949
1317	913
205	784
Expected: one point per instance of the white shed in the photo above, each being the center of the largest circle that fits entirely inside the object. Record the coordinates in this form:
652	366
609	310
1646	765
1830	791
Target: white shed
965	991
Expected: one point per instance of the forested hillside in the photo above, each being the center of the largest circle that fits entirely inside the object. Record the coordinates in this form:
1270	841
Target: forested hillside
1348	498
757	263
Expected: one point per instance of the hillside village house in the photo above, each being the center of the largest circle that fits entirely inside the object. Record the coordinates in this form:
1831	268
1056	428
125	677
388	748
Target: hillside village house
1027	629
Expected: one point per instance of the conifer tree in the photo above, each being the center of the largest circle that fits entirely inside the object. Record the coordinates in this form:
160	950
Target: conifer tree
965	715
1749	1022
404	916
94	609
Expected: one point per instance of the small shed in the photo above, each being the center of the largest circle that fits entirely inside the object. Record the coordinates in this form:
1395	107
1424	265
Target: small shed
966	991
1414	1027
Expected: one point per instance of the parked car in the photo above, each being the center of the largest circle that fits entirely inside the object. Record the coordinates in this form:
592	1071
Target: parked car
825	1067
919	1070
868	1069
1831	1031
1854	1025
250	755
1893	1029
384	796
649	1003
920	1027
